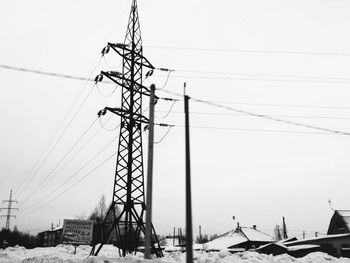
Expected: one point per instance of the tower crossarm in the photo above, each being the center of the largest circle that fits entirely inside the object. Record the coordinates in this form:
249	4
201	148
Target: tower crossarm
124	52
125	114
120	80
10	201
8	208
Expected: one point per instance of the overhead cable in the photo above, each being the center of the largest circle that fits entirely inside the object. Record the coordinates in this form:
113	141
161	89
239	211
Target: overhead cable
258	51
46	179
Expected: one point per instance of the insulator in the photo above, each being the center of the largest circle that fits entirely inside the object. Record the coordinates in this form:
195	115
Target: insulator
105	50
149	73
98	78
145	128
155	101
101	113
163	69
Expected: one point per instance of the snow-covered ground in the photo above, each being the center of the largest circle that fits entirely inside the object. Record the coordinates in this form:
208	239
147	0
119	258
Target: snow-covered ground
109	254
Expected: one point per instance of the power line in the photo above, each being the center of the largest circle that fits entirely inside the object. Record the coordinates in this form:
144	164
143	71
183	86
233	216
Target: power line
75	101
76	173
47	178
229	76
251	130
265	79
46	73
273	115
271	118
265	75
257	51
77	182
260	115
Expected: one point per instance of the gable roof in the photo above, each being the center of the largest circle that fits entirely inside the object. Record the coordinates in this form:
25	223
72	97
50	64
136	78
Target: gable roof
236	237
253	234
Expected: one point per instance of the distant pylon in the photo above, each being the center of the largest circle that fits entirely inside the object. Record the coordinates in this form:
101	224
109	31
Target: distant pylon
9	208
126	228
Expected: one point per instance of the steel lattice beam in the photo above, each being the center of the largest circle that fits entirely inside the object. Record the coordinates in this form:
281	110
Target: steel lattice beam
128	189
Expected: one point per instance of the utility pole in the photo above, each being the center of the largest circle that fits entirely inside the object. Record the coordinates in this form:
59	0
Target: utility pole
200	233
9	208
285	236
128	226
148	234
304	234
189	240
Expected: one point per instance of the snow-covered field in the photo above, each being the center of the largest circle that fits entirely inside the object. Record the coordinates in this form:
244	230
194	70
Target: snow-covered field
109	254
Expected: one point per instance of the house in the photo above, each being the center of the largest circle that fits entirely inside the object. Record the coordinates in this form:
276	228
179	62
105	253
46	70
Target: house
50	238
340	222
336	245
240	239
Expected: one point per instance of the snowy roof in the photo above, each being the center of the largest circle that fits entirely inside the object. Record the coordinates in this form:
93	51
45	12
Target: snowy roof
301	247
315	239
236	237
225	241
255	235
345	214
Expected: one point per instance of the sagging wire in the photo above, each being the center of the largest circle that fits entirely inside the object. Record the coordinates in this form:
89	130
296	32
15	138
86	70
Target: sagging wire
167	132
169	111
167	78
99	114
103	94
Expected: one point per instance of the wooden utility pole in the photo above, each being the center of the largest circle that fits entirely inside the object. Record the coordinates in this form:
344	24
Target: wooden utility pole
189	240
148	233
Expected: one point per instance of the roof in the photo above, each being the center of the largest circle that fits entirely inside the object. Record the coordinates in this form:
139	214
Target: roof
227	240
255	235
236	237
316	239
345	214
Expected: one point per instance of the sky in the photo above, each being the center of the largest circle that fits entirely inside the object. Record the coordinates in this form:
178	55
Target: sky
287	59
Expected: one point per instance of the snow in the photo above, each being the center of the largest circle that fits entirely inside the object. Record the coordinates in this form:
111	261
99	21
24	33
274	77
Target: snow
236	237
255	235
109	254
225	241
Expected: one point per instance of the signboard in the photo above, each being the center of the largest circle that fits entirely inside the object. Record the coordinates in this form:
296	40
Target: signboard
77	232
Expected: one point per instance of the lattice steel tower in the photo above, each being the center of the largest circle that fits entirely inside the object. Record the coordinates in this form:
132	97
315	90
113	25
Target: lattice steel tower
9	209
128	193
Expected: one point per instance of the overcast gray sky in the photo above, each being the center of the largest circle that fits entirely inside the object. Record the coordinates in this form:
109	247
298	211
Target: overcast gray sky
281	58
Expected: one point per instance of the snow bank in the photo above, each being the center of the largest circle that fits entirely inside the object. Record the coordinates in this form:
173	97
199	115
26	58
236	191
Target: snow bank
110	254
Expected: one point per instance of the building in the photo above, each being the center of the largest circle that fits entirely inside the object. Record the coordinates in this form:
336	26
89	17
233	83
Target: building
340	222
240	239
336	245
50	238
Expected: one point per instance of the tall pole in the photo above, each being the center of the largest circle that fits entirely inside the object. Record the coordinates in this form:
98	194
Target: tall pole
9	209
285	236
148	232
189	240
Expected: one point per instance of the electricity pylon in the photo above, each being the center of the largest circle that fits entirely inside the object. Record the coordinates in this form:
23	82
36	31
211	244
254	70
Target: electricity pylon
9	208
128	226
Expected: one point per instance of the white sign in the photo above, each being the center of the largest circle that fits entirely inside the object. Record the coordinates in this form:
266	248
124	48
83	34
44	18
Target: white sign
77	232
